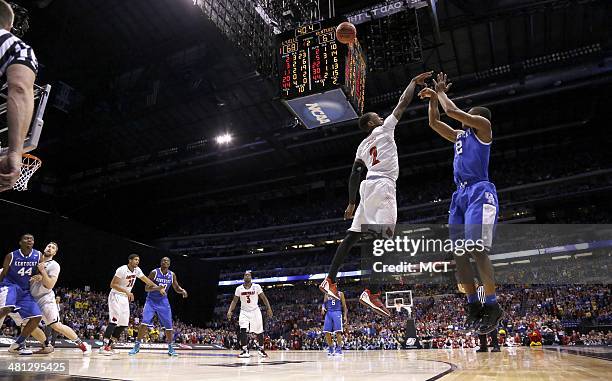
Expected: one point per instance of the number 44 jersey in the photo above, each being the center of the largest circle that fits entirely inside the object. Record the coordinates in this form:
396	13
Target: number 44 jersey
22	268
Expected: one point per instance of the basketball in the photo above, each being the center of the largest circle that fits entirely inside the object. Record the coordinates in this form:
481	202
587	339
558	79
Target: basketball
346	33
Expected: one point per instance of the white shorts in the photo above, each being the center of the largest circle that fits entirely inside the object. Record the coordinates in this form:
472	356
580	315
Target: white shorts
377	207
251	320
118	309
48	307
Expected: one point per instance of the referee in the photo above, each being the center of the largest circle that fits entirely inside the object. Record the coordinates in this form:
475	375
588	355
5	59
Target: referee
18	67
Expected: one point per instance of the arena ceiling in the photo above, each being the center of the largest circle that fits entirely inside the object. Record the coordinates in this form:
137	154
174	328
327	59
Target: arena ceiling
149	84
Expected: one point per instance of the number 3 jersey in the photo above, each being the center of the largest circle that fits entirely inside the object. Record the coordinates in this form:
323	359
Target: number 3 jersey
127	278
249	297
22	268
379	152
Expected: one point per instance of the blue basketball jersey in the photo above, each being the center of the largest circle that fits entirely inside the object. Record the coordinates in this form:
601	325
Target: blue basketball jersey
22	268
161	279
332	304
471	163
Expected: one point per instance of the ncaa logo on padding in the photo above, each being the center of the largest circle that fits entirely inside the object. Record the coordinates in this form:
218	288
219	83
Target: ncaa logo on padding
324	111
490	198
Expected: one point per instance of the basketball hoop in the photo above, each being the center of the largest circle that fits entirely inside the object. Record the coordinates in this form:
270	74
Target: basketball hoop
29	165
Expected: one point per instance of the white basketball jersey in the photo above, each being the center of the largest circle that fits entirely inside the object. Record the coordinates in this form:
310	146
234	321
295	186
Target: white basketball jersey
379	152
249	297
127	278
37	289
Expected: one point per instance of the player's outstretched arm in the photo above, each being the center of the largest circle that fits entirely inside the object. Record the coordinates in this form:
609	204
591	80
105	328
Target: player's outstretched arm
477	122
232	306
5	265
264	298
408	94
435	123
152	277
177	288
359	168
152	285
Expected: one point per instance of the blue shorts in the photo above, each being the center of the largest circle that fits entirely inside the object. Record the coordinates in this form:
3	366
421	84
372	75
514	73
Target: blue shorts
161	308
473	212
21	300
333	321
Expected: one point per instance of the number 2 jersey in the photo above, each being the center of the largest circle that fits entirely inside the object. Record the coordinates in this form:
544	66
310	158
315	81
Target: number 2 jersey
249	297
22	268
127	278
379	152
471	162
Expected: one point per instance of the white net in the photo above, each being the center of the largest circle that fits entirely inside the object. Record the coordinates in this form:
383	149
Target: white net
29	165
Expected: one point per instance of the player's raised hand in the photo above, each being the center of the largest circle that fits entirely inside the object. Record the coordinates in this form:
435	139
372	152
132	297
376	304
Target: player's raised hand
442	83
130	296
421	78
427	92
349	212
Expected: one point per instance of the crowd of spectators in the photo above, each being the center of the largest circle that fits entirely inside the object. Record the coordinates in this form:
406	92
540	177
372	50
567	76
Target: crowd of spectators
561	315
413	189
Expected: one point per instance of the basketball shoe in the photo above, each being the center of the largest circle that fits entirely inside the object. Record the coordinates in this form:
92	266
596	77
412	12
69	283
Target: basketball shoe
86	348
244	354
373	302
107	350
474	314
19	349
492	315
338	351
45	350
329	288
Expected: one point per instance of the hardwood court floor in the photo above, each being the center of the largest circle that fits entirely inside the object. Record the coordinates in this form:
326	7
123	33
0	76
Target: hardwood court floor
522	364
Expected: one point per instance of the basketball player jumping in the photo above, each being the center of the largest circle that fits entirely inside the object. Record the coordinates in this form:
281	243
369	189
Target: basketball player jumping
158	304
41	289
18	67
474	205
377	154
250	320
336	315
119	300
15	293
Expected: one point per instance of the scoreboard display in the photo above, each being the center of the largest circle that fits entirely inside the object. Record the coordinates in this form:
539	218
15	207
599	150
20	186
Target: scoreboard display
312	60
322	81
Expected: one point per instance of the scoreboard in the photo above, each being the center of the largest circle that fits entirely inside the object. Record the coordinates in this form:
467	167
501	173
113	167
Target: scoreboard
321	79
310	59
